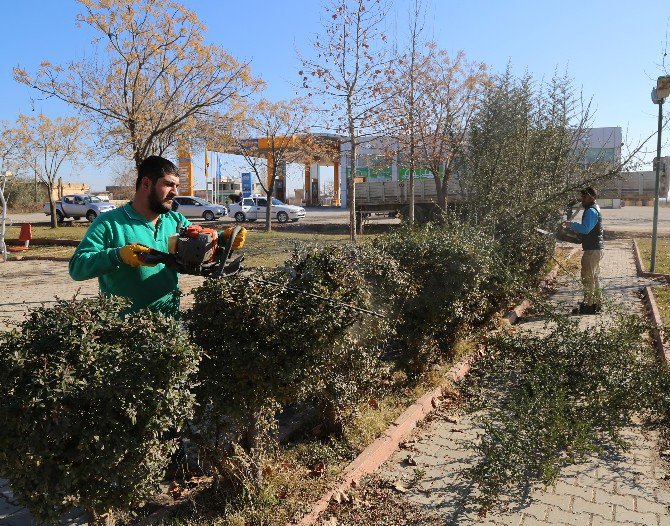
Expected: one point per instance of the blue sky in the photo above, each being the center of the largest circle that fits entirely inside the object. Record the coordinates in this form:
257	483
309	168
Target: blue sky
613	50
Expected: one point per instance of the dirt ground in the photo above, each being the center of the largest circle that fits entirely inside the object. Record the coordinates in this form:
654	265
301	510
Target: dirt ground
29	284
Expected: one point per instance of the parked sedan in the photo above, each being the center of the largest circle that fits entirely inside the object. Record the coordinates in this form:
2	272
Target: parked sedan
193	207
255	207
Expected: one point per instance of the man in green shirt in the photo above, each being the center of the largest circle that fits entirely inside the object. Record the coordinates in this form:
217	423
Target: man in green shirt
113	244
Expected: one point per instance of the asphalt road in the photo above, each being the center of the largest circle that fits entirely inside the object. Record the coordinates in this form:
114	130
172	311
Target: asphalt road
314	216
636	219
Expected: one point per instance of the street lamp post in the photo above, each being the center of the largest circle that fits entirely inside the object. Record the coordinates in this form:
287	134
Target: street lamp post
658	95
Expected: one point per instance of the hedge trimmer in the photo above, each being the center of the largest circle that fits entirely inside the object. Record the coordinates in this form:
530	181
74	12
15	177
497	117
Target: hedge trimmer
201	251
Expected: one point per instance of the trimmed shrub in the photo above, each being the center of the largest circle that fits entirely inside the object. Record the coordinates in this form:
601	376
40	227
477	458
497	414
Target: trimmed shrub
268	345
459	282
86	400
20	194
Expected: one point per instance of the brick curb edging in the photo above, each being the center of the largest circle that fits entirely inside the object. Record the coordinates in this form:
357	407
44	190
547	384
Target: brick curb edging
657	328
662	354
373	456
640	266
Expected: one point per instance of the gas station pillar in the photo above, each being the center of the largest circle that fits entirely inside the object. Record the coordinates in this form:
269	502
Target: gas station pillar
336	183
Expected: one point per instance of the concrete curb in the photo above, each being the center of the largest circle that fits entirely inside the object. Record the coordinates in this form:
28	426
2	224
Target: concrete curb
37	258
657	329
639	265
517	312
373	456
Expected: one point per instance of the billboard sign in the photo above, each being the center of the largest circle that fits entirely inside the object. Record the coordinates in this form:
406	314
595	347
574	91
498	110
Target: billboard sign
246	184
185	172
249	143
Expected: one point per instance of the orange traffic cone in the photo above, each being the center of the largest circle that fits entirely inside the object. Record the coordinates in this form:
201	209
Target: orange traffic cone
26	235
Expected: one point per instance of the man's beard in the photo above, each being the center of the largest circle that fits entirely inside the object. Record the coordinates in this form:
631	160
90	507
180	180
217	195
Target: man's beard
156	205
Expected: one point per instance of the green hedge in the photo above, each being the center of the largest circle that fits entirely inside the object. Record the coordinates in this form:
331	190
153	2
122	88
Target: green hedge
86	398
459	280
269	346
90	397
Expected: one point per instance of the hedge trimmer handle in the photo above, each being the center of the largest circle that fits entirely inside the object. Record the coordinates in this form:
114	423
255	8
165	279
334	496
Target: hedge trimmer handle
153	257
234	266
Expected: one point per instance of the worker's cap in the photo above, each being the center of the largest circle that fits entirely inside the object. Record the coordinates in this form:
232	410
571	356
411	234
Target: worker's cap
589	191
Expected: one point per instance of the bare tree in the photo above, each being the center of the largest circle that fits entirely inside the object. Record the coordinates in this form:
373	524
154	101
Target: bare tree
53	142
10	146
280	129
407	101
452	89
156	76
348	76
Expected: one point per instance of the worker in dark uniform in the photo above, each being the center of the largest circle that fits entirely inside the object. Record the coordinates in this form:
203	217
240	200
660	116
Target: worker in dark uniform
591	232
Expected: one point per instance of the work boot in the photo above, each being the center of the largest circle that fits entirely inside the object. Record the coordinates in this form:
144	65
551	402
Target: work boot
584	309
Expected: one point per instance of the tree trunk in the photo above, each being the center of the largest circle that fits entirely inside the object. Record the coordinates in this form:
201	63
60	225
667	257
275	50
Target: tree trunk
351	198
441	185
410	190
252	442
268	208
106	519
52	208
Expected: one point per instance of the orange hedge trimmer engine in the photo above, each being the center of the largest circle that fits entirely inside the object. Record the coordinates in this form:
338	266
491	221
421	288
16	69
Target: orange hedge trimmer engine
194	245
199	251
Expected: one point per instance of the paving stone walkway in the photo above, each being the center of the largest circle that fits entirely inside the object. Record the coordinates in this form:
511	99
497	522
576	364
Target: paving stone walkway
625	489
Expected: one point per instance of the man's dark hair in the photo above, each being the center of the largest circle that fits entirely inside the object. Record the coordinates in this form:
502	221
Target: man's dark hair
154	167
589	191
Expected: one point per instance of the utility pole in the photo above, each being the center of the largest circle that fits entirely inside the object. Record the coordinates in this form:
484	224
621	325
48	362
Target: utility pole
658	95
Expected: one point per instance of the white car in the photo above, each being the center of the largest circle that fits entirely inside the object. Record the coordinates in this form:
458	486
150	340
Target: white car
255	207
194	207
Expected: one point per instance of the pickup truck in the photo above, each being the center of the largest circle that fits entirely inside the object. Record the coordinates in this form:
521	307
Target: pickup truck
78	206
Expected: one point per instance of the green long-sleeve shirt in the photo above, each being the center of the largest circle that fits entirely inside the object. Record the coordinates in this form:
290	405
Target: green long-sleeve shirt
96	257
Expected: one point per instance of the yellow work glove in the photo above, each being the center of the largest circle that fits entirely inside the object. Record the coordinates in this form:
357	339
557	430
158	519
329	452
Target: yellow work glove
239	239
131	254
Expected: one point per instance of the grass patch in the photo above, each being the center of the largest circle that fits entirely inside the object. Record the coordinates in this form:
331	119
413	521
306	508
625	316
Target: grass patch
662	254
269	249
662	296
67	231
262	249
